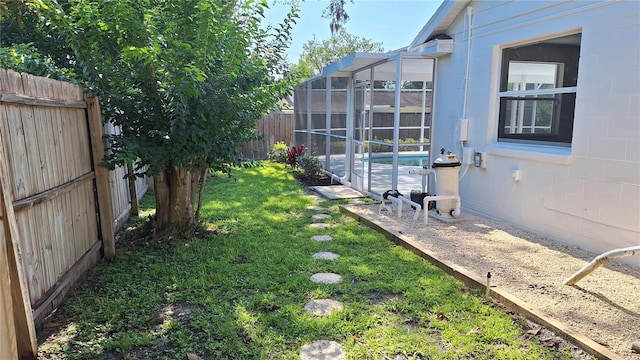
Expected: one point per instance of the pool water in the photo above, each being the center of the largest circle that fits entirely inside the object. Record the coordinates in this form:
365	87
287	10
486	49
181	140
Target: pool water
403	160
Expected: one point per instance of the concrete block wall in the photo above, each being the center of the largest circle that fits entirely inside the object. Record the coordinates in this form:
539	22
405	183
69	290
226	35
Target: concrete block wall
587	195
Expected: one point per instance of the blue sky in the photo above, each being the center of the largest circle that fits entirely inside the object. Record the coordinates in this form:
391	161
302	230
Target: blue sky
394	23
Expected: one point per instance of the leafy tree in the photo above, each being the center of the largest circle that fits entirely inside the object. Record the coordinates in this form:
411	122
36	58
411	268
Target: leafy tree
318	54
184	79
27	59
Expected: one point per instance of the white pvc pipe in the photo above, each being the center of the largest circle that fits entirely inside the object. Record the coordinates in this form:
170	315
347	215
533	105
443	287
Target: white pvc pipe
335	177
412	203
467	71
601	260
384	206
398	201
456	209
424	173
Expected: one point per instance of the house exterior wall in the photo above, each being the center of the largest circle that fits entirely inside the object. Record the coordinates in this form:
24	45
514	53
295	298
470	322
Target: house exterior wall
586	195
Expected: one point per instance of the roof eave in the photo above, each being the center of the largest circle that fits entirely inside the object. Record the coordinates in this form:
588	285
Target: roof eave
352	63
440	21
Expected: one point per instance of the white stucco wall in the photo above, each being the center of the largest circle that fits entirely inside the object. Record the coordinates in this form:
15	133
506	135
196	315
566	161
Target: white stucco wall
587	195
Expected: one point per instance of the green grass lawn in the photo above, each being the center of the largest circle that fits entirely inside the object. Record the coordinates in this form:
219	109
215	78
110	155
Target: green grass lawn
236	288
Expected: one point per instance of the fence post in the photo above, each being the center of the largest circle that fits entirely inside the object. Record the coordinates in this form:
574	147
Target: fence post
25	331
102	178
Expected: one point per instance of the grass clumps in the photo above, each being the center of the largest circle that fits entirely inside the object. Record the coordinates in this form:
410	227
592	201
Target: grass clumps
235	288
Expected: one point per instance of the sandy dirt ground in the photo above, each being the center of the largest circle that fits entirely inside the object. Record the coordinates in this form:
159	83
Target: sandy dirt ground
604	306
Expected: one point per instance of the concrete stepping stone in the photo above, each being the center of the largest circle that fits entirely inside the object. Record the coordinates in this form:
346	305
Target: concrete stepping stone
315	198
321	238
322	350
321	225
315	208
321	216
326	255
326	278
323	307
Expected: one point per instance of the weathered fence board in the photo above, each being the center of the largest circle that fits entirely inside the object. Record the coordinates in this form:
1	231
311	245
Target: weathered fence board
102	179
274	127
8	344
23	325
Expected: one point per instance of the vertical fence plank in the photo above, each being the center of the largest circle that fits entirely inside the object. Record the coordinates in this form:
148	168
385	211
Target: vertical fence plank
32	254
8	345
274	127
27	344
102	178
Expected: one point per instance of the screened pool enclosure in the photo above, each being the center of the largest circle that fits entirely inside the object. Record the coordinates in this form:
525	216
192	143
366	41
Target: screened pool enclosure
368	131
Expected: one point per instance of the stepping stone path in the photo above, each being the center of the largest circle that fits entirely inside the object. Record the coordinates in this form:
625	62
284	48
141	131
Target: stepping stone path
323	349
321	225
321	216
321	238
326	278
326	255
322	307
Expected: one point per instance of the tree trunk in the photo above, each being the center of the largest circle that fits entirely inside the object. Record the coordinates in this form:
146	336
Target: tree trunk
203	181
174	202
133	193
195	177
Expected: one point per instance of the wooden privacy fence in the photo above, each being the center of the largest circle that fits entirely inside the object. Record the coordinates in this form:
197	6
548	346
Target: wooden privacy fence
276	126
121	193
56	203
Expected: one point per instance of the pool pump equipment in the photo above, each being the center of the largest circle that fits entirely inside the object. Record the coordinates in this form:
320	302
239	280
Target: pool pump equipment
446	167
447	199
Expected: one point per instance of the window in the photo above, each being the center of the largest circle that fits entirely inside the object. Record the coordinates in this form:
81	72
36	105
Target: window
538	91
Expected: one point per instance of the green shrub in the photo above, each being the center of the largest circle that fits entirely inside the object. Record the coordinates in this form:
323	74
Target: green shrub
310	165
278	152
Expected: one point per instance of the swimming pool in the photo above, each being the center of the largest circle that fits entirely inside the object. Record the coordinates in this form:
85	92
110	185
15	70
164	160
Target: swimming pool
403	160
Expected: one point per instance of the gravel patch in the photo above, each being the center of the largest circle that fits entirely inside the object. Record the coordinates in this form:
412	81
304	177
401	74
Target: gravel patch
604	306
